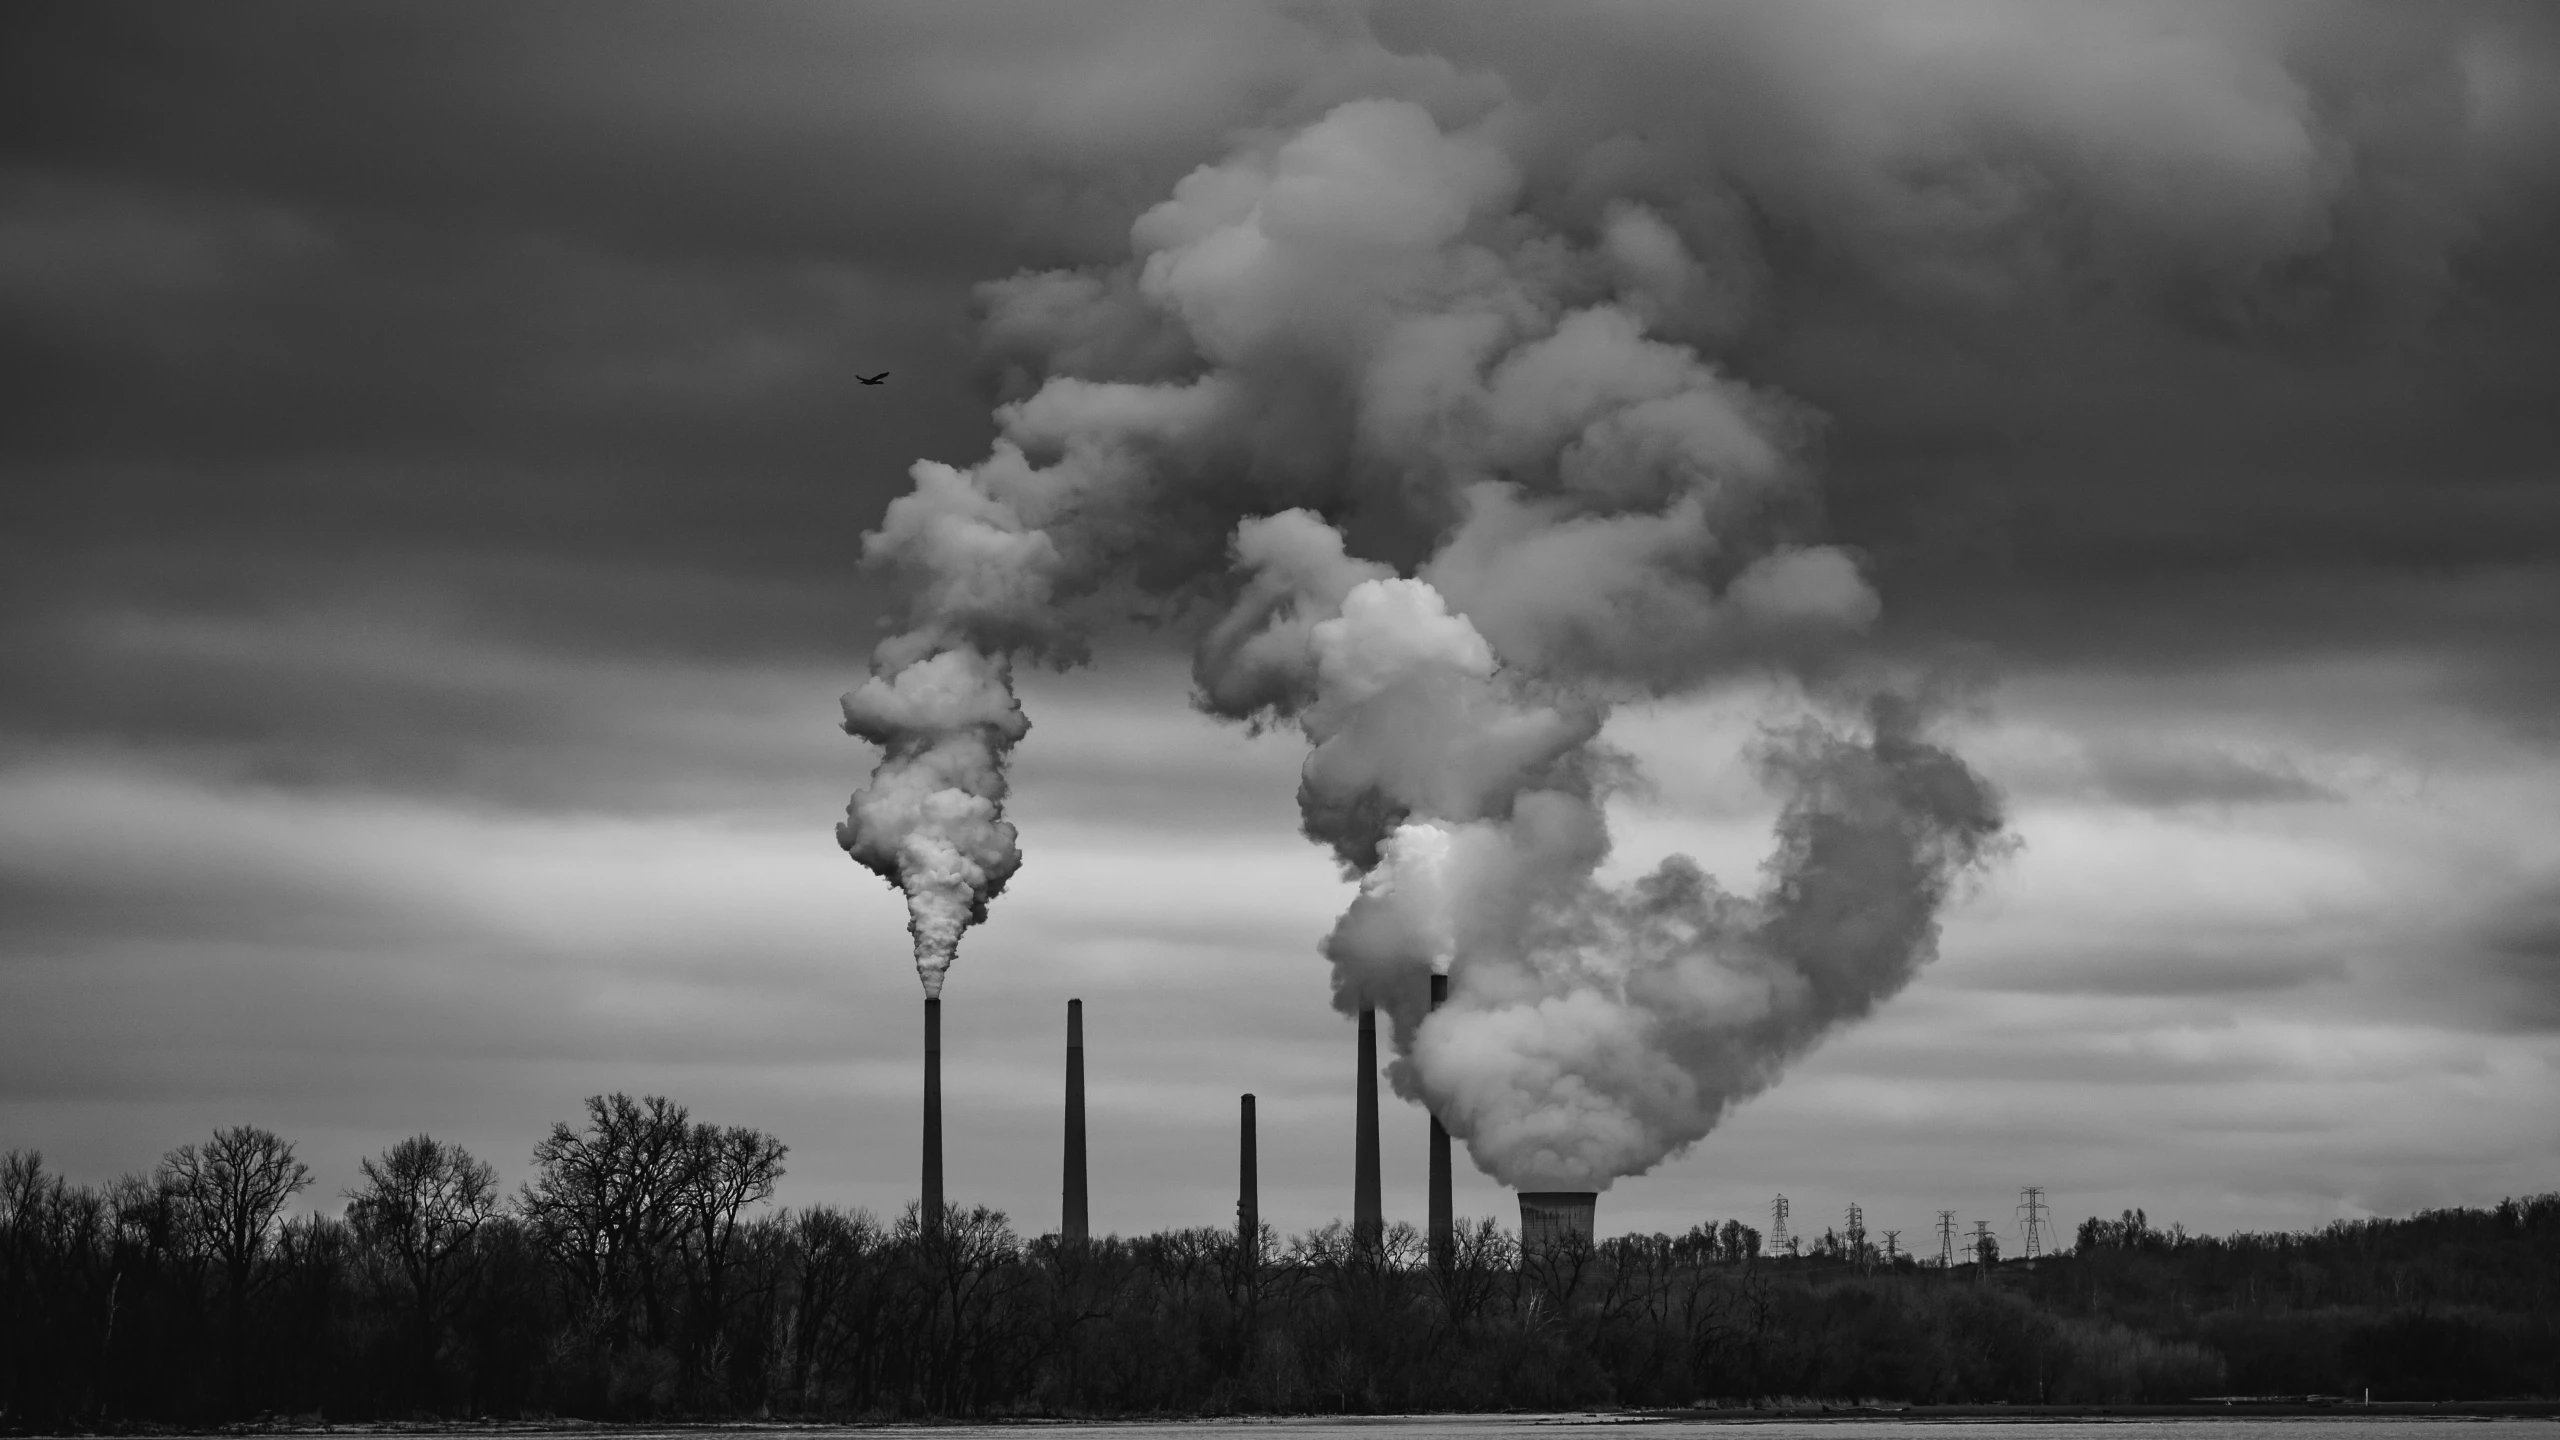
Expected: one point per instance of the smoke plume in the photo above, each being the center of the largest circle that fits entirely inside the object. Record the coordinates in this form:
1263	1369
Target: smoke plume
1429	450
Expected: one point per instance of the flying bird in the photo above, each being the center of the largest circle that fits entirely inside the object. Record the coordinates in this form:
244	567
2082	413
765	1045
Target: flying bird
872	379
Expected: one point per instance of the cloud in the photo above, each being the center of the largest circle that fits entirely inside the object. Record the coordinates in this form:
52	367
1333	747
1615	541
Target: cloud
2166	775
2521	946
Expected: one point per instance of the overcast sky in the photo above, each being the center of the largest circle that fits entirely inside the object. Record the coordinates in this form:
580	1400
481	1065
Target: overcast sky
434	482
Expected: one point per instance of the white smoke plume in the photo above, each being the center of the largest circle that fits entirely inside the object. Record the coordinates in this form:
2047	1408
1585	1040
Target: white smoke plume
1594	1031
931	822
1456	495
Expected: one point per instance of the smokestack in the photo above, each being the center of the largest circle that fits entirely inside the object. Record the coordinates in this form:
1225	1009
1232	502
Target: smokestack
1248	1193
1443	1222
1072	1225
1368	1213
1555	1217
932	1206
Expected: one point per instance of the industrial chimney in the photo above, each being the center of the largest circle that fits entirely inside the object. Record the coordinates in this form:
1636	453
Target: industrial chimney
1248	1194
1443	1222
932	1203
1368	1212
1072	1225
1549	1218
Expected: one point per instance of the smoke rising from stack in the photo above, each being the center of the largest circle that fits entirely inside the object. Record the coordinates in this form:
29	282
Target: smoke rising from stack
931	822
1373	326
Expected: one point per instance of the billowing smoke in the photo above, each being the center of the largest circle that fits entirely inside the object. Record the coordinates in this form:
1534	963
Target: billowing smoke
931	822
941	706
1363	329
1593	1030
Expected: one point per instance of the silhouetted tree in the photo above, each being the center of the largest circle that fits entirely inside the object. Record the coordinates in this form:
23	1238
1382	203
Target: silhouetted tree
605	1203
423	1202
113	1302
230	1195
724	1170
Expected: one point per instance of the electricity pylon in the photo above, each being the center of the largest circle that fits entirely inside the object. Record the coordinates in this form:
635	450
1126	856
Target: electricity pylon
1946	1239
2031	1208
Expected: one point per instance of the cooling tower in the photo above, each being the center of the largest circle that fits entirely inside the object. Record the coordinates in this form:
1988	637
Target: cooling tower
1248	1192
1072	1222
1368	1212
1552	1217
1443	1222
932	1203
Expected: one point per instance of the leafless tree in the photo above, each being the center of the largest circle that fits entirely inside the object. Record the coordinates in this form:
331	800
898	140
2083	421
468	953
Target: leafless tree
725	1170
1481	1255
229	1196
834	1327
963	1280
422	1201
605	1203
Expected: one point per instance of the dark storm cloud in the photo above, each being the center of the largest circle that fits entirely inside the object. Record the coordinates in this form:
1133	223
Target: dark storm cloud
2137	326
2133	325
907	134
222	372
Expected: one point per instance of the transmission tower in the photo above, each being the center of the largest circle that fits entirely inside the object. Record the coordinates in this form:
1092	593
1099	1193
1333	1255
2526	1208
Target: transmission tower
1856	1226
1892	1246
1946	1239
1984	1246
2031	1209
1778	1225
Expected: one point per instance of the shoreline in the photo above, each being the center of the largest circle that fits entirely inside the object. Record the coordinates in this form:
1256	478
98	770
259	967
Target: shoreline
2477	1410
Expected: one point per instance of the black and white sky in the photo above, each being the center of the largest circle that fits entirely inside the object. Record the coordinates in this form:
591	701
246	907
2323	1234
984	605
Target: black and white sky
435	480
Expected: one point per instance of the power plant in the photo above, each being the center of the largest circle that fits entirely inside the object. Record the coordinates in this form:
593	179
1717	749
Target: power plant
1548	1218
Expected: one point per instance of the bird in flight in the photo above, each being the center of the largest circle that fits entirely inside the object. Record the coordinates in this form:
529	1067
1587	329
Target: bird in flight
872	379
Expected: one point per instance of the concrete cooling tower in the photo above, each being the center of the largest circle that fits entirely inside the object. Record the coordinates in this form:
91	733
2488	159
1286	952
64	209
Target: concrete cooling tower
1552	1217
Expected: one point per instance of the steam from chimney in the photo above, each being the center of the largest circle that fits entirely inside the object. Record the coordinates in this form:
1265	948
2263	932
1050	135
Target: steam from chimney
1361	328
931	822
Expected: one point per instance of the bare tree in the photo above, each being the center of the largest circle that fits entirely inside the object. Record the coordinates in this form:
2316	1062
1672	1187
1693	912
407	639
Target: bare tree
725	1170
605	1202
230	1195
422	1201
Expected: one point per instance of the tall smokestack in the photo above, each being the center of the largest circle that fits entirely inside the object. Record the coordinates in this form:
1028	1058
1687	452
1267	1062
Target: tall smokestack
1368	1213
1072	1227
1248	1193
932	1206
1443	1223
1552	1217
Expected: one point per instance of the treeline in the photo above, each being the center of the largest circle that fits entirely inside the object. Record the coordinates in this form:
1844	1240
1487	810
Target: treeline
641	1272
